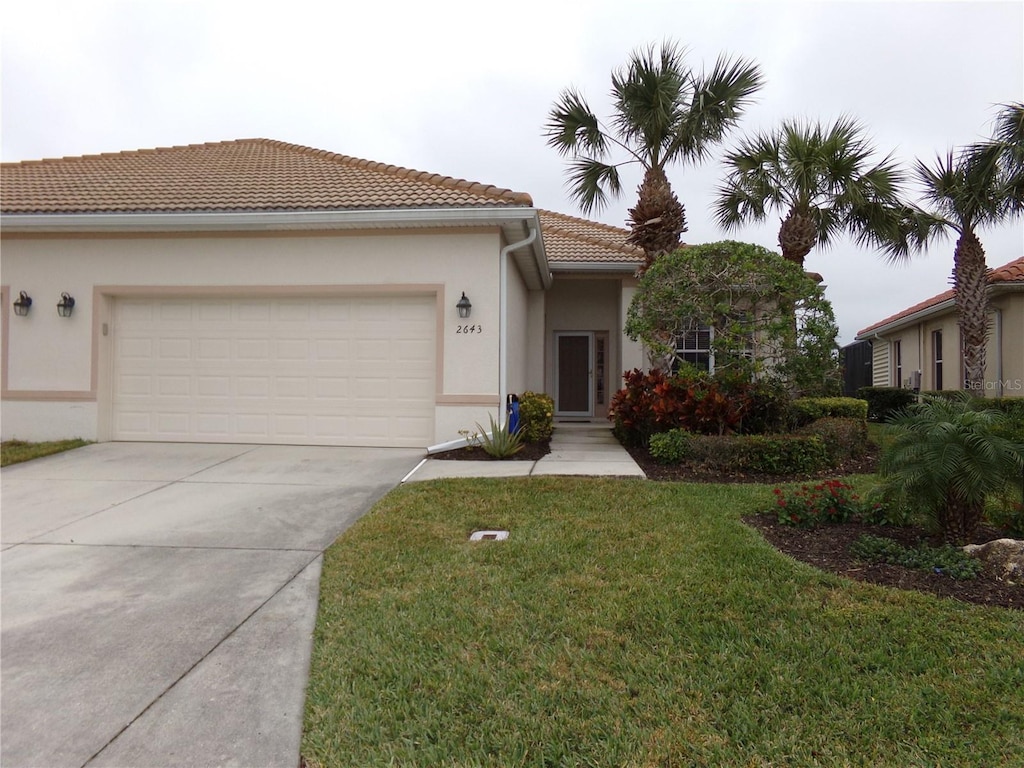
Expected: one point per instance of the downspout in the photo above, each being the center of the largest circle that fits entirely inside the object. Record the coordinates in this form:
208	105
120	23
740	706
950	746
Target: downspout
503	319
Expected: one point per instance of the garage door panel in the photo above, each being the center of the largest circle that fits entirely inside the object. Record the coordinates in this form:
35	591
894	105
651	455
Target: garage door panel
330	371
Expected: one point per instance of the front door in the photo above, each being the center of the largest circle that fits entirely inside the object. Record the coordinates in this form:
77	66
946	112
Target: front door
574	370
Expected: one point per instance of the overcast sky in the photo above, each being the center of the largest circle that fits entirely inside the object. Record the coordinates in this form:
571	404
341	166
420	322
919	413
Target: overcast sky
463	89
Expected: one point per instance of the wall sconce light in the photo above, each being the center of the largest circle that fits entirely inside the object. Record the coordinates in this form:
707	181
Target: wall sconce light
22	304
66	305
464	306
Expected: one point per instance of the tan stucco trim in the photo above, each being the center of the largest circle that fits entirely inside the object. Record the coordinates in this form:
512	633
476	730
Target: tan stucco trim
468	399
231	291
46	395
37	395
5	318
102	293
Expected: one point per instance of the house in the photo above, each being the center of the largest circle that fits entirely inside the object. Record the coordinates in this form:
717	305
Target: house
920	347
255	291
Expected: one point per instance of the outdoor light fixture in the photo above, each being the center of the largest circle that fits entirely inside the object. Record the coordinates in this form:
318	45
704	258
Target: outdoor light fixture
464	306
22	304
66	305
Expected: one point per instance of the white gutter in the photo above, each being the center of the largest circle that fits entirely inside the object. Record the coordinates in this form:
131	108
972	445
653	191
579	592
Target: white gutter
262	220
503	318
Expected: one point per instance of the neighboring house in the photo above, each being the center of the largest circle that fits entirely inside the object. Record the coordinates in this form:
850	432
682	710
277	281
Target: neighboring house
920	346
257	291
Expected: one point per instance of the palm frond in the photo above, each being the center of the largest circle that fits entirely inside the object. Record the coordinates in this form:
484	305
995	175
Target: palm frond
591	182
573	128
718	99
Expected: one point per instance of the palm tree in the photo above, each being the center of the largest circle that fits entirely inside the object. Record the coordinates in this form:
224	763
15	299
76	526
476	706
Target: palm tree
945	459
981	185
664	113
822	179
966	191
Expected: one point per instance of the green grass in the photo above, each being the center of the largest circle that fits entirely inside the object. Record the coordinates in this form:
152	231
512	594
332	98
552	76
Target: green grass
16	451
632	623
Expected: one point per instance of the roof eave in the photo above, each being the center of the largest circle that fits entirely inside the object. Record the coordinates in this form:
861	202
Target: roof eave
936	309
221	221
595	266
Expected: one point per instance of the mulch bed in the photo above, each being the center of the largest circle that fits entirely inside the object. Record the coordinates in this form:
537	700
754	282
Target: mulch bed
530	452
827	547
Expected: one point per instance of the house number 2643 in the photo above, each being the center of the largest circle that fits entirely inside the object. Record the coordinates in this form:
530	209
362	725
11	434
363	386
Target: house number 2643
469	329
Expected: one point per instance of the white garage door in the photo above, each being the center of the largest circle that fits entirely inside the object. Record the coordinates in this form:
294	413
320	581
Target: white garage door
307	371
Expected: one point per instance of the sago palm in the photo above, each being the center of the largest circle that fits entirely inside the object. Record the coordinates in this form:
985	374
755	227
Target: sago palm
945	459
822	180
663	113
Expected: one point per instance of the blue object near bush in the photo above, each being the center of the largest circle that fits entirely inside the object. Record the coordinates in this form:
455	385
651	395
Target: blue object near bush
512	413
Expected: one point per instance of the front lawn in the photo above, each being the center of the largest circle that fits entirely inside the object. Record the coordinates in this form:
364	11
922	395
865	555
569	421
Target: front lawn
17	451
637	623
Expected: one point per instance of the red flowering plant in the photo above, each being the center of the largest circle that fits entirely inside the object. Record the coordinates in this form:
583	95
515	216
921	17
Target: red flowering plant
832	501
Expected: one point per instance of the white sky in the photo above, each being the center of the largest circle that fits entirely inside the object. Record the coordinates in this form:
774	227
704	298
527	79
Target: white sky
463	89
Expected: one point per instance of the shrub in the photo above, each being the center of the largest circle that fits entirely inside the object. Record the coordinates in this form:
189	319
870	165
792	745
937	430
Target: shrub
650	403
843	438
1006	512
646	404
832	501
804	410
947	459
767	409
884	401
671	447
951	561
783	454
884	509
501	442
536	416
759	454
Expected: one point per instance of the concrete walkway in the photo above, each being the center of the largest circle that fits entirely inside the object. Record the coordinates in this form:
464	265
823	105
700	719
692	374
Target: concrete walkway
576	449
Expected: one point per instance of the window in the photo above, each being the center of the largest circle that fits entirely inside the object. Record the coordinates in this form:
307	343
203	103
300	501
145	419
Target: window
696	344
937	359
897	361
694	347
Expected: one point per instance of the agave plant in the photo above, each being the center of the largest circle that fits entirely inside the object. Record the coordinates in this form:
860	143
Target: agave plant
500	442
945	458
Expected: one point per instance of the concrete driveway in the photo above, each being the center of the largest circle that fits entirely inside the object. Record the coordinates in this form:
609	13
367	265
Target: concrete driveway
158	600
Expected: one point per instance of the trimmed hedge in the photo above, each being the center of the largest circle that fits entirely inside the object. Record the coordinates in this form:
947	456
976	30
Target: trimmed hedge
884	401
804	410
758	454
844	439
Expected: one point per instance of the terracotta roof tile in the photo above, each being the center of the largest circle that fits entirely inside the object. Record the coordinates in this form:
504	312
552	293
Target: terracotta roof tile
570	239
243	175
1008	273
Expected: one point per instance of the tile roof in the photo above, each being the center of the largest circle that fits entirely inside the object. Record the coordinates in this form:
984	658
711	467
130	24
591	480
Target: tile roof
1008	273
243	175
573	240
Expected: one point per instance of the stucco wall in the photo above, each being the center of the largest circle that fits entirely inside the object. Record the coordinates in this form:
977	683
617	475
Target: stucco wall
1004	370
47	358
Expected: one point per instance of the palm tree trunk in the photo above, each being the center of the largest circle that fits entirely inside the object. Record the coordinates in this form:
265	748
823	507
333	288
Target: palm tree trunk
797	236
960	520
658	219
970	292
